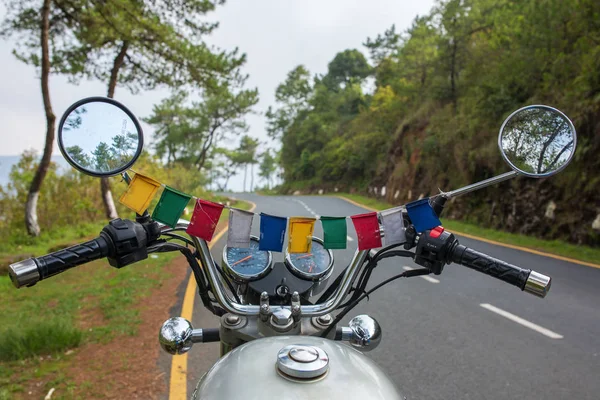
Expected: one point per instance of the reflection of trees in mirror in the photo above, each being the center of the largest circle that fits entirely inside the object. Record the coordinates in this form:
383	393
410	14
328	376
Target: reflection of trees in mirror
537	140
78	156
74	119
103	159
110	158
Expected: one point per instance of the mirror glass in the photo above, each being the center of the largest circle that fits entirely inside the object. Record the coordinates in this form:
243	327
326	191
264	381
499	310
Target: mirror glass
100	137
537	141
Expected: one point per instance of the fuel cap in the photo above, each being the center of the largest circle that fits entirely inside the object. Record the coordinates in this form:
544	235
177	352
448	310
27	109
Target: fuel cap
302	362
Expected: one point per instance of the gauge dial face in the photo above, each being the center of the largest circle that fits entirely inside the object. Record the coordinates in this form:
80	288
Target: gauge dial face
311	265
248	263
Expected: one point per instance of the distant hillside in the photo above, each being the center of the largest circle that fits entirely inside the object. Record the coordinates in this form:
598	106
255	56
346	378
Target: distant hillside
6	163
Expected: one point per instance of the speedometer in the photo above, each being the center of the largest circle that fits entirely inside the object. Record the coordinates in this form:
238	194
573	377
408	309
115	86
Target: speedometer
316	265
247	264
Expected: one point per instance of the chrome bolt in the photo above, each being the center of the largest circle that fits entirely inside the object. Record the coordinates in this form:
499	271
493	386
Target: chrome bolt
295	309
282	316
324	319
295	297
232	319
264	296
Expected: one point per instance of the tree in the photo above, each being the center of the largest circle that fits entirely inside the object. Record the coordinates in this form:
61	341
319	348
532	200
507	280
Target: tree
246	155
35	26
268	166
189	133
144	44
139	44
292	97
224	165
347	67
78	155
383	46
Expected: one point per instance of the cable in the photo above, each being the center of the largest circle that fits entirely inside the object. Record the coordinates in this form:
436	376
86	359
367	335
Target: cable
162	247
336	283
405	274
366	274
179	237
228	283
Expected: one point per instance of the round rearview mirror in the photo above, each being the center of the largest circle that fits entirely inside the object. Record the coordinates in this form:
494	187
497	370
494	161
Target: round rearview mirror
100	136
537	141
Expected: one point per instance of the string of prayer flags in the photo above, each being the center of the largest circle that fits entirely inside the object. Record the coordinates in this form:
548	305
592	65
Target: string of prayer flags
367	230
205	219
393	225
272	232
240	225
170	206
335	232
140	193
422	215
301	231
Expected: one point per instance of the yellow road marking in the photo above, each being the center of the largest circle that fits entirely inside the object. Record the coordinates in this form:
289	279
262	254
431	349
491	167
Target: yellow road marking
510	246
178	380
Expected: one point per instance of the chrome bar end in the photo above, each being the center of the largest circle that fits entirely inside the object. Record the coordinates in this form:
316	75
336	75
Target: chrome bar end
24	273
538	284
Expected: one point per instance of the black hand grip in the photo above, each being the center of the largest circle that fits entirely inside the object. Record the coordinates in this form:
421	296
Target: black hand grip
62	260
32	270
491	266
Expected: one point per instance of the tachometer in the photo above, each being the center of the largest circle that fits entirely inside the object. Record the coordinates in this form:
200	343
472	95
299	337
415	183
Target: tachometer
247	264
315	265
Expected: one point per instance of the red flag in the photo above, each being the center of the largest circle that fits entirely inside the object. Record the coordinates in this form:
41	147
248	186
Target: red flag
367	230
204	220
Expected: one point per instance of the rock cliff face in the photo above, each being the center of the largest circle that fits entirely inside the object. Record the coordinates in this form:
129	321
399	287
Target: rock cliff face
565	206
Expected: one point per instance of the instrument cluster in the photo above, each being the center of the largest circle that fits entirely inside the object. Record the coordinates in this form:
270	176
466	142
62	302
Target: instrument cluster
244	265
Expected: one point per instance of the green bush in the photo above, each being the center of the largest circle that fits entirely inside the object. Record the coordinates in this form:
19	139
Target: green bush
72	201
44	337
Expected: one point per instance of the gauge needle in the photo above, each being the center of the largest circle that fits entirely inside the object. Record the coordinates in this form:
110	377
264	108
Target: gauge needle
242	260
305	256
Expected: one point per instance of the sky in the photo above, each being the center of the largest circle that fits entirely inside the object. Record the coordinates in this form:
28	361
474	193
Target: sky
276	35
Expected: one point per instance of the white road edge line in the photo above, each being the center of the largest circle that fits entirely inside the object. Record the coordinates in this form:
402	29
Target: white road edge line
427	278
521	321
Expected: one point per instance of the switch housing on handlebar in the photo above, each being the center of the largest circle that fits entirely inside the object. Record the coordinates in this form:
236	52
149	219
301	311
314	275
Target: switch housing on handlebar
433	248
129	241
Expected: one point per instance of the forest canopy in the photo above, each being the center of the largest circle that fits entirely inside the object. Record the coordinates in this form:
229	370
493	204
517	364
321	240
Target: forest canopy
420	110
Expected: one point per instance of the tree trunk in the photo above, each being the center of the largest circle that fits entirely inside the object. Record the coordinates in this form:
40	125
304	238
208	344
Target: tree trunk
31	221
251	177
245	174
453	76
107	198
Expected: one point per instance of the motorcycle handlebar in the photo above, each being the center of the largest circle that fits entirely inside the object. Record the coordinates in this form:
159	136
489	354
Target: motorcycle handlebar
525	279
30	271
124	242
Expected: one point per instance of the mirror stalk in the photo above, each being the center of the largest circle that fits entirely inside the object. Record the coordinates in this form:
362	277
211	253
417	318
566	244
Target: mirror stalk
481	184
126	177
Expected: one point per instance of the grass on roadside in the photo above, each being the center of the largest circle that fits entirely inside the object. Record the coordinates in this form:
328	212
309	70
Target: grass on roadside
557	247
90	303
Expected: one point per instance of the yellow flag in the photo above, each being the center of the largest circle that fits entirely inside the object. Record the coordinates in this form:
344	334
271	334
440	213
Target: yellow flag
301	231
140	193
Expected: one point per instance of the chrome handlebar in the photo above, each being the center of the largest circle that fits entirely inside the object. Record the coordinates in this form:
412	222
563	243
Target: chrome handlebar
231	306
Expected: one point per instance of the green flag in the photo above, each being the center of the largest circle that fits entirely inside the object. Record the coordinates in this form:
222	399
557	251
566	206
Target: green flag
170	206
335	232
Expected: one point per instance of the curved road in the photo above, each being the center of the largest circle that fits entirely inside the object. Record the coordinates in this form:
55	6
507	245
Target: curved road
462	334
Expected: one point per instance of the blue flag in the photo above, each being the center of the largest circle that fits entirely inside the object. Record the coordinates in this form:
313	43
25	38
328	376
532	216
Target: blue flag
272	232
422	215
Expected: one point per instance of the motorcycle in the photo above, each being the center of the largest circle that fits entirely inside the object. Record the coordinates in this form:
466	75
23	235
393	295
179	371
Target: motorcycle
279	327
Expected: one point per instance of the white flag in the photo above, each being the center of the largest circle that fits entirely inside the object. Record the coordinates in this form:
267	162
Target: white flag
393	226
240	224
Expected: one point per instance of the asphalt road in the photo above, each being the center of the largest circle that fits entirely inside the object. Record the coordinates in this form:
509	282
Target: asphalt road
449	336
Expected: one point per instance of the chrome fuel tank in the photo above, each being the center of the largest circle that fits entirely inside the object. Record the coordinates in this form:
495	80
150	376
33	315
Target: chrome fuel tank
280	367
